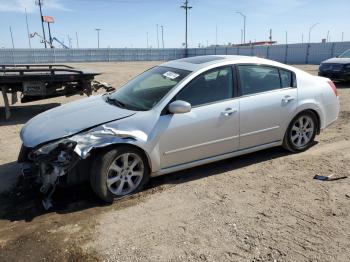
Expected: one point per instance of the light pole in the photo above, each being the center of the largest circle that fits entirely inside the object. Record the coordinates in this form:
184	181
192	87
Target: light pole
286	37
98	36
162	28
77	39
28	32
310	29
147	39
186	7
13	44
158	36
244	22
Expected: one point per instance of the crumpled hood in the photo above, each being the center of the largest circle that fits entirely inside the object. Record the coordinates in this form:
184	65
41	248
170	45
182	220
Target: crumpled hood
70	119
337	60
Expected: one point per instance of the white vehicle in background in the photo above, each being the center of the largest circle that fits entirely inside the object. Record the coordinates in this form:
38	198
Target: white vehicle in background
178	115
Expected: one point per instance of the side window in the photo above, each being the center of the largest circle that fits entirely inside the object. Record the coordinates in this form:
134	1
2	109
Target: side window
286	78
256	79
211	86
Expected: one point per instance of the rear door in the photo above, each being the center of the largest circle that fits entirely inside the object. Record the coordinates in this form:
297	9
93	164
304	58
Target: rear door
268	100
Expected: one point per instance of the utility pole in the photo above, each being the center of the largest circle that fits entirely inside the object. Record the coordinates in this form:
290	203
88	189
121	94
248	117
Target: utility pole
50	37
76	36
310	29
98	36
162	28
270	37
39	3
244	23
342	36
158	36
286	37
13	44
28	32
186	7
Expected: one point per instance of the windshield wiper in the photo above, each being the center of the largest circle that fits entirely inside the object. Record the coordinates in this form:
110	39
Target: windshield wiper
115	102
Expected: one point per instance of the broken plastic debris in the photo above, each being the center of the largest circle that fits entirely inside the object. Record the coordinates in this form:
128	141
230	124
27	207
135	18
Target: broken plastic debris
329	178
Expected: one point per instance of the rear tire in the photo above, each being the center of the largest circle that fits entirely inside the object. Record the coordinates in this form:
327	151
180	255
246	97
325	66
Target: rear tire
301	132
119	172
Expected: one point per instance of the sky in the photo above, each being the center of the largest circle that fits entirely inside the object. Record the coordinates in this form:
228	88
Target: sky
126	23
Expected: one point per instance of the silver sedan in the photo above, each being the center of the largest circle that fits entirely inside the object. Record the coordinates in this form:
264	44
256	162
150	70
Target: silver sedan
175	116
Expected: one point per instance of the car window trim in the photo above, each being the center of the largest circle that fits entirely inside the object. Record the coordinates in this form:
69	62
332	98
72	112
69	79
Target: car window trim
234	93
239	92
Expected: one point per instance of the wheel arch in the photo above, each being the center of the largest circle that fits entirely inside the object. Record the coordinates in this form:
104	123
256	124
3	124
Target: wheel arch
314	109
99	150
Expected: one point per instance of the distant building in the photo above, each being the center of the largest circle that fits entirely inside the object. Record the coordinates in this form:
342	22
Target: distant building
258	43
264	43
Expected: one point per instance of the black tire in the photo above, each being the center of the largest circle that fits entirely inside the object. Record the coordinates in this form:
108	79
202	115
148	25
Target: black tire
288	141
100	171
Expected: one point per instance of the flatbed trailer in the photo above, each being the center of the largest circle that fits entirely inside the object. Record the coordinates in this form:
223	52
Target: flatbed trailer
36	82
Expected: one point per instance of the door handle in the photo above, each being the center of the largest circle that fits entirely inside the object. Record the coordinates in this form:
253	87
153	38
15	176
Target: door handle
287	99
229	111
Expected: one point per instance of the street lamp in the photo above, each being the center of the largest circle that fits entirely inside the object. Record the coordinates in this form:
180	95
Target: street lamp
98	36
311	27
244	21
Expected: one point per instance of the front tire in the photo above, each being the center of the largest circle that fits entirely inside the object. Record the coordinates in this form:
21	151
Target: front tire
119	172
301	132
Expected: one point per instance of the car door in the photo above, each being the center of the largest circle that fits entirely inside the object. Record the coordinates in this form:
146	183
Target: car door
211	127
268	100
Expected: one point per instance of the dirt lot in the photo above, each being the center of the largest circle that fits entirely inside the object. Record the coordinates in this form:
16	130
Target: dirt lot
264	206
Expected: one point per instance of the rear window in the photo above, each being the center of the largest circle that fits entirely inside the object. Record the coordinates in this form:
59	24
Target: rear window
258	78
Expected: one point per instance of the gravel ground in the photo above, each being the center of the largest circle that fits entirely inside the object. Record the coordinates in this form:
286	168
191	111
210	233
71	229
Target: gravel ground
264	206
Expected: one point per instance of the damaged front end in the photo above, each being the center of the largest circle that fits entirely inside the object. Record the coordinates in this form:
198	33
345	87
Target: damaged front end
51	161
48	163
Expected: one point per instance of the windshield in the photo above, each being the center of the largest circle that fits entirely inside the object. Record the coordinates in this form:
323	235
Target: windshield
346	54
144	91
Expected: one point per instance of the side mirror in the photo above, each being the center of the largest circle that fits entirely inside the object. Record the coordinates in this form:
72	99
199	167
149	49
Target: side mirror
179	107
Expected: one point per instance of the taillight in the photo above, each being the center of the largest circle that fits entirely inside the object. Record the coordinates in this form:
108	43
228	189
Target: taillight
334	88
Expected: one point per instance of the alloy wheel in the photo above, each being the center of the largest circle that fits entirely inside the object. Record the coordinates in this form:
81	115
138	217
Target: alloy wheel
125	174
302	131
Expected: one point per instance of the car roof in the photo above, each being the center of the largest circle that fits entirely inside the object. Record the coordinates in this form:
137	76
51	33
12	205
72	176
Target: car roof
199	62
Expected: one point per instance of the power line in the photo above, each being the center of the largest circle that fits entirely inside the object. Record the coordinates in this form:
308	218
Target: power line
186	7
